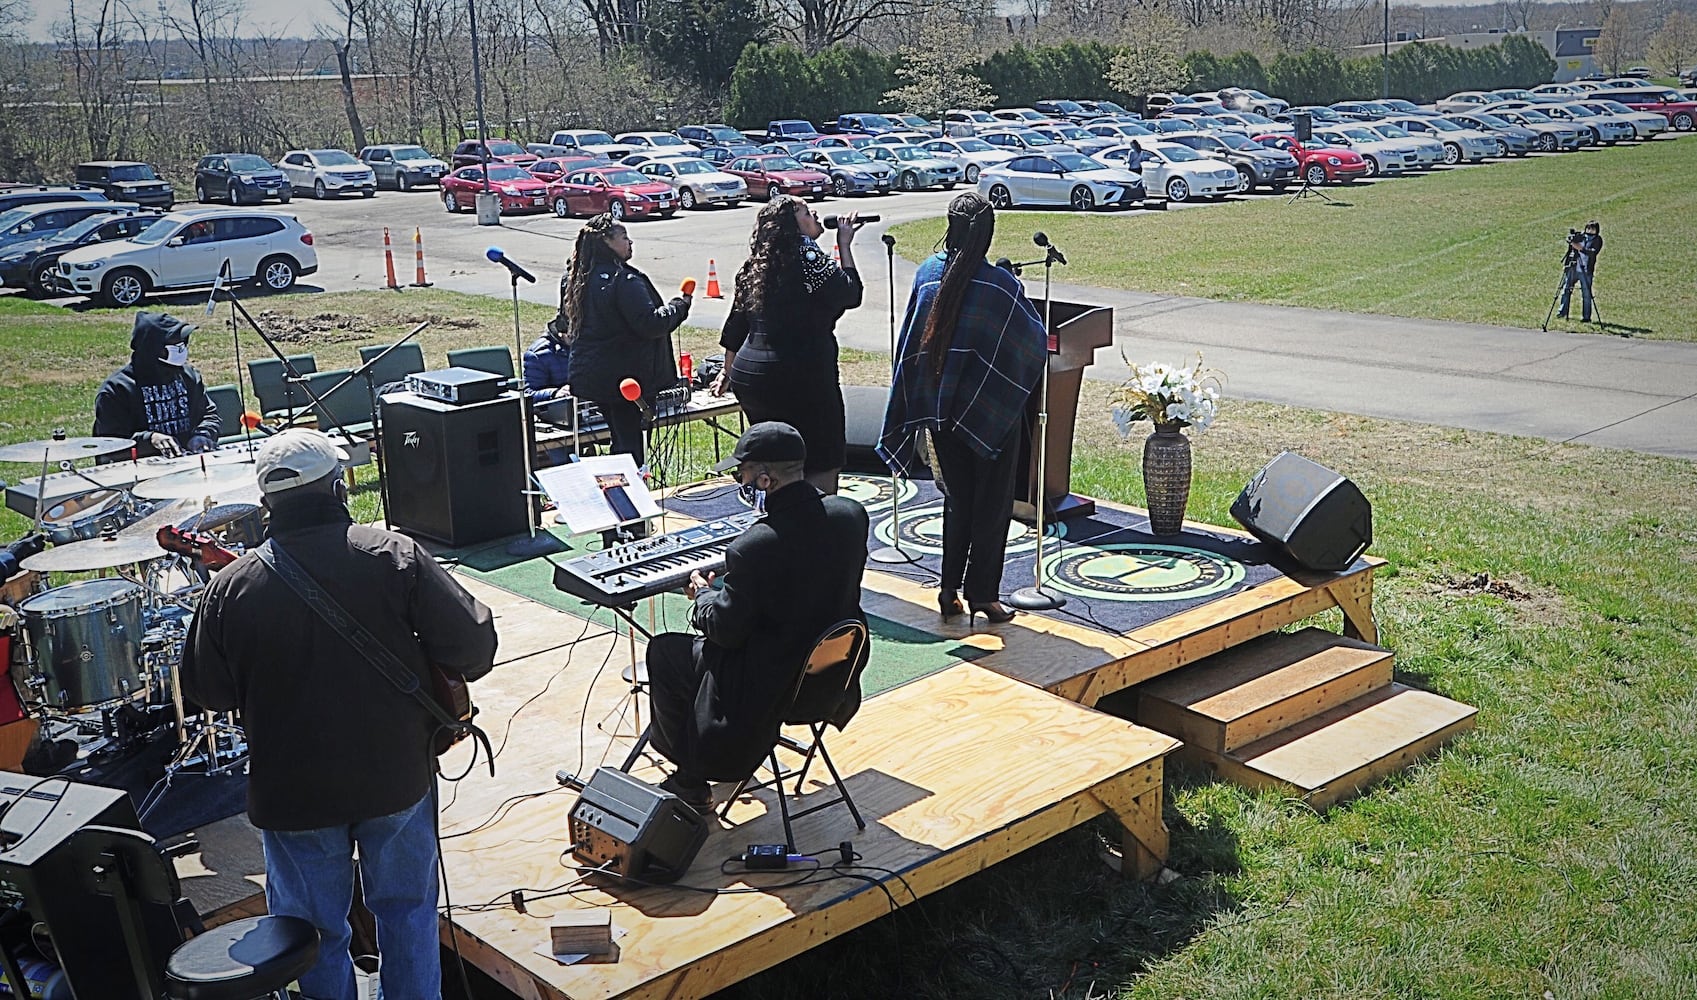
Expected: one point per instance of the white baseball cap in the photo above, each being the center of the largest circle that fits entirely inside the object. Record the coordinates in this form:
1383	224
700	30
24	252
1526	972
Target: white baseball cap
296	457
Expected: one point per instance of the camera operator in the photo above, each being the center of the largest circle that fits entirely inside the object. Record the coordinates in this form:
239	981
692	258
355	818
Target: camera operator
1579	267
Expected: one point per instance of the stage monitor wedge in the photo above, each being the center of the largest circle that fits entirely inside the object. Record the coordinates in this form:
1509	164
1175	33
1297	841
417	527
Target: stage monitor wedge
1316	516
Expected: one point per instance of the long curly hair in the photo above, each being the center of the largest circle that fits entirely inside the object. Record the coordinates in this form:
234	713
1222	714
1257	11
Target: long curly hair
972	223
773	250
590	251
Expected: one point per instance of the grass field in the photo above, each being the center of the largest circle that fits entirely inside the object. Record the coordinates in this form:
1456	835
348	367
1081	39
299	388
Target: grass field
1480	244
1548	854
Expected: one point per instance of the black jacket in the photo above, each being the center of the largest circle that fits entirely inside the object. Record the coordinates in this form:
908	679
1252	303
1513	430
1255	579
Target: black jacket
794	333
625	332
790	576
148	396
331	741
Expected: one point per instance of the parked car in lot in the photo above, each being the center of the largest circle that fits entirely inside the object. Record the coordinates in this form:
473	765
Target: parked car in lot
471	152
589	140
1608	127
865	123
1461	145
1382	156
1181	173
238	178
969	121
556	167
917	168
1679	110
32	264
697	182
972	154
1646	124
12	194
1024	140
187	249
850	171
1077	137
1064	110
1427	152
29	222
1256	165
517	190
126	180
1316	162
1465	101
617	190
920	124
1022	117
716	134
1552	135
657	142
403	167
326	172
795	148
771	174
1063	178
1118	132
1511	138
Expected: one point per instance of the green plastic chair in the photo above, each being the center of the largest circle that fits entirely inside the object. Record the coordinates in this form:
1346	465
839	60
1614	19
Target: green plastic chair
496	360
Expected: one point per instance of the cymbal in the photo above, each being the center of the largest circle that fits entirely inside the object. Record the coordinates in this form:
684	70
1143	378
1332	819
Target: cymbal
95	553
233	482
70	448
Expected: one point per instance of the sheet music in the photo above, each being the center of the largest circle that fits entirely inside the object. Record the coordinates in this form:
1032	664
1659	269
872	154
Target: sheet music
578	490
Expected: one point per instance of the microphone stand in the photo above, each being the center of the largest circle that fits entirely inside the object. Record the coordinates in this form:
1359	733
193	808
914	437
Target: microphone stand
368	371
893	553
236	345
1035	598
535	544
292	376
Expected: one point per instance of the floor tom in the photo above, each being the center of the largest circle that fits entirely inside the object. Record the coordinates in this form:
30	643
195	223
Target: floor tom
85	638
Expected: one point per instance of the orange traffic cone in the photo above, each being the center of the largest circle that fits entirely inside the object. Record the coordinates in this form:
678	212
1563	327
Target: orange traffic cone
389	262
418	256
713	281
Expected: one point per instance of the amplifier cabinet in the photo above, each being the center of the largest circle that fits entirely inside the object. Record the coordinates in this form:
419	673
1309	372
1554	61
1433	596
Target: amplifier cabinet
455	473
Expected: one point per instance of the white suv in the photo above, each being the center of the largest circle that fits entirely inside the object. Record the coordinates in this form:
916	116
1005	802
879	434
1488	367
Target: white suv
187	249
325	172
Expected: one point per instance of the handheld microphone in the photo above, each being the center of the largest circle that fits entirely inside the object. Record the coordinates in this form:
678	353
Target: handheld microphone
687	288
633	392
500	257
830	221
1042	239
217	286
254	422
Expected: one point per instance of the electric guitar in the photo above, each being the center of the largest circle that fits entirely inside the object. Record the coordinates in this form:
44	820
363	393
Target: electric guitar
197	545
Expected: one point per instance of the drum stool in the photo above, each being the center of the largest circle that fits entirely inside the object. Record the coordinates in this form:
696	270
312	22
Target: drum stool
252	959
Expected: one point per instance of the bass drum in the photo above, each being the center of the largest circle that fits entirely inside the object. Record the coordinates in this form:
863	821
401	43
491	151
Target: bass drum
87	515
86	639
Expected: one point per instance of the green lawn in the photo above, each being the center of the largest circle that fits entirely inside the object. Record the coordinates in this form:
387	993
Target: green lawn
1480	244
1549	853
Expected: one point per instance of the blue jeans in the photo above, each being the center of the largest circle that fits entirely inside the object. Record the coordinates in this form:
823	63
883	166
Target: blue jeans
310	874
1581	277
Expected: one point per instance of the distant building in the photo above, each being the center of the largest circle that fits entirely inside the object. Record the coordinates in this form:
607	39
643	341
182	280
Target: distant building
1571	48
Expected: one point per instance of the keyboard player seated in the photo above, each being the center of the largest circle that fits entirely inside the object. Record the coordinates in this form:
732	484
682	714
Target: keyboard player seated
720	695
548	375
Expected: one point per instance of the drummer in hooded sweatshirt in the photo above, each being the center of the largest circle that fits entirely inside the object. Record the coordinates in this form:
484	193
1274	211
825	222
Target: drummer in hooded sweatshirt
158	399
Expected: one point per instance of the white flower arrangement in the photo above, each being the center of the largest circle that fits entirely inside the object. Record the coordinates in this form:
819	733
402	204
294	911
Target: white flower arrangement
1170	397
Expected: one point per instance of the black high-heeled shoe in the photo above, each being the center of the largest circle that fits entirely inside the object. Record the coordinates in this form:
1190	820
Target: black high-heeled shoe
994	612
948	603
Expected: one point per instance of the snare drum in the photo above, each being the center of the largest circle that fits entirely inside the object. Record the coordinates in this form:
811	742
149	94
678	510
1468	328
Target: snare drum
86	639
87	515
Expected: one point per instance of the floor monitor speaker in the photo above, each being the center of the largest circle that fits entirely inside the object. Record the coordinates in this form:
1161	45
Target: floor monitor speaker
1317	517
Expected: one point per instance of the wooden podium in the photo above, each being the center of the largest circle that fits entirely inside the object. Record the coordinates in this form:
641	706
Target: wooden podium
1076	331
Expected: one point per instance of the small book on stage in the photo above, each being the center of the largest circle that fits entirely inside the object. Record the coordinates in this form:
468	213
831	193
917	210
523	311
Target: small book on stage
598	493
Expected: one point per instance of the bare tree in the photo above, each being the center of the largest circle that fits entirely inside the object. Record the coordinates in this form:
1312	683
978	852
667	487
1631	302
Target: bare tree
350	12
95	41
1614	46
1675	45
817	24
1151	57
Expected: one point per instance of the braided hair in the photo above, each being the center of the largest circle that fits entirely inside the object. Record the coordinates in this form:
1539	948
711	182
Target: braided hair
774	249
590	251
972	222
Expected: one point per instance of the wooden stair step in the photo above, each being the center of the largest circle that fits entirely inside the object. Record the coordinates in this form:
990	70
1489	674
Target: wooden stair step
1339	752
1233	698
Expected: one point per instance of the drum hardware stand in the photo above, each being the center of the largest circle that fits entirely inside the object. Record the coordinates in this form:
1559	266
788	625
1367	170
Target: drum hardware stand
291	374
367	371
1309	189
1035	598
893	553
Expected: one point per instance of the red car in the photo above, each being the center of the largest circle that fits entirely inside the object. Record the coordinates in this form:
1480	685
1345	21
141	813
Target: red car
772	174
518	191
556	167
619	191
1319	164
1679	110
469	153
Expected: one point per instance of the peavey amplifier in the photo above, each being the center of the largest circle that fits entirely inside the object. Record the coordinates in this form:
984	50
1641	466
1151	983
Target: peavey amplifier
629	827
456	385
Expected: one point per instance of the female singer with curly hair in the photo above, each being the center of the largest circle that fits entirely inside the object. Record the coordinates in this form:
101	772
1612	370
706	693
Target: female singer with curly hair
972	350
619	329
780	337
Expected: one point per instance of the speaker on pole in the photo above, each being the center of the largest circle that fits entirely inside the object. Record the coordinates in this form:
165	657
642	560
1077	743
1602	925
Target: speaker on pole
1314	515
1304	123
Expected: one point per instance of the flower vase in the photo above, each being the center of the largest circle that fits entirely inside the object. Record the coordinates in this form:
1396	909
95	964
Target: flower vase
1166	479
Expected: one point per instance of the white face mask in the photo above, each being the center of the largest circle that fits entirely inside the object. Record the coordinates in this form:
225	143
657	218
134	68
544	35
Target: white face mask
177	354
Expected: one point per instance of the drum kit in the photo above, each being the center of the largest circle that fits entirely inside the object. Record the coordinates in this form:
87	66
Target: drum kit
100	656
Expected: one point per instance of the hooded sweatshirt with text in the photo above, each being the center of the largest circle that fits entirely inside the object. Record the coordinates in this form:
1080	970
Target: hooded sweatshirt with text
148	396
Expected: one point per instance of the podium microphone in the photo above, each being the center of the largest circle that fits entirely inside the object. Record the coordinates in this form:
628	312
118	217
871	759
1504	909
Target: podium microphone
500	257
632	391
1008	265
1042	239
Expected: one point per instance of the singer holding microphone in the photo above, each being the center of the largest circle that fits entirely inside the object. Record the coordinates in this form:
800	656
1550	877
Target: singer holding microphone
971	353
620	331
780	338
